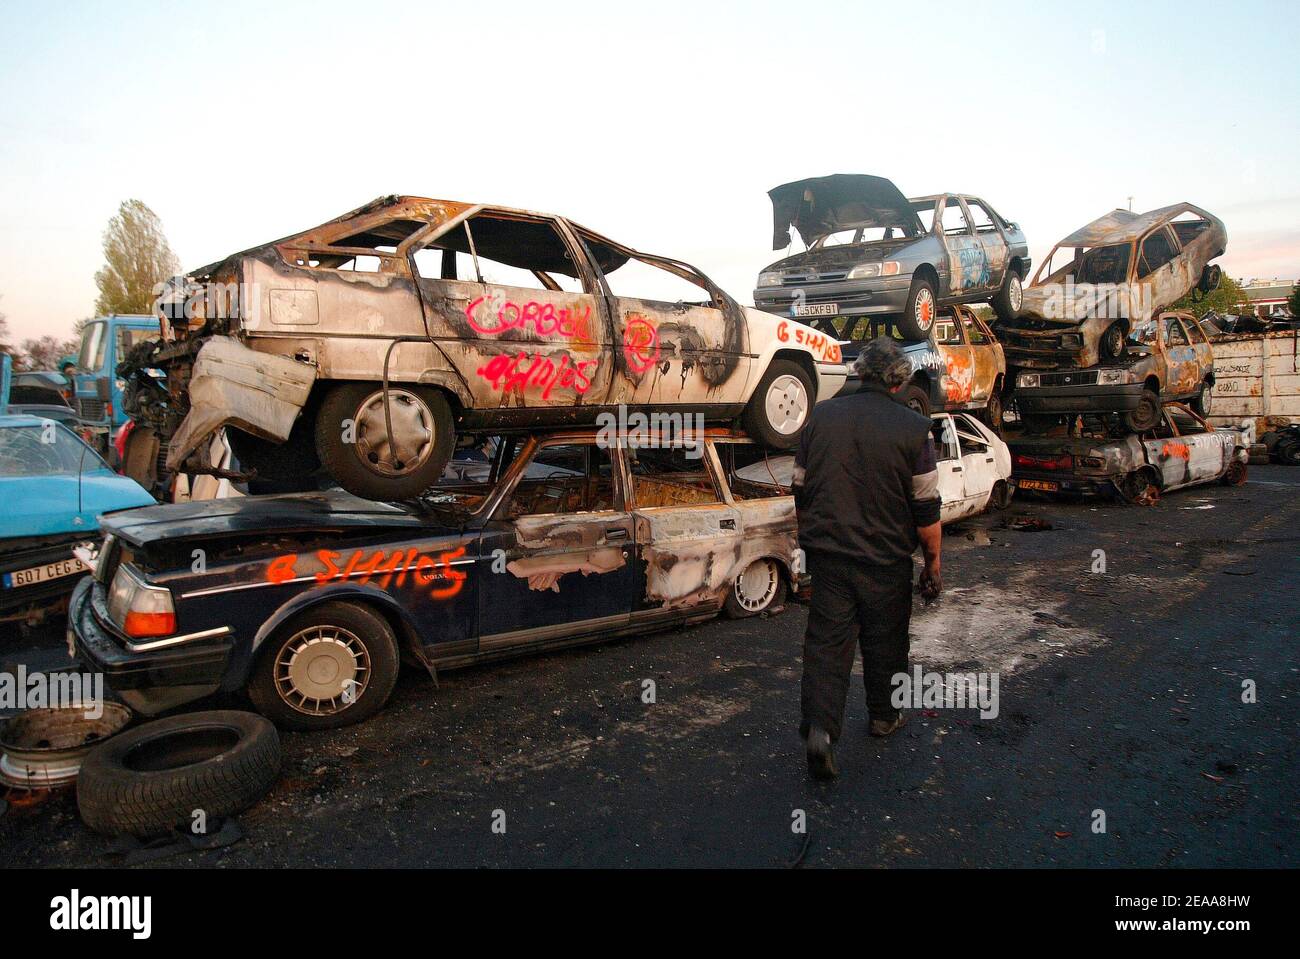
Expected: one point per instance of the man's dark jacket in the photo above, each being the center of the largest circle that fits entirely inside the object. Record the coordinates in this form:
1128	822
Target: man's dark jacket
869	478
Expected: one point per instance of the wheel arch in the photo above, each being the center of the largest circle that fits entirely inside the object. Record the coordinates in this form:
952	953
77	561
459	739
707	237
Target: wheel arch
801	359
375	600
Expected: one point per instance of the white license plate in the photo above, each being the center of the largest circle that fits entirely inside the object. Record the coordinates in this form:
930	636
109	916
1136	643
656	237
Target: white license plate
817	309
42	574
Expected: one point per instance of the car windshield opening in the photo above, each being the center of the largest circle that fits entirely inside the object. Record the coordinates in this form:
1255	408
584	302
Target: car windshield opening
44	450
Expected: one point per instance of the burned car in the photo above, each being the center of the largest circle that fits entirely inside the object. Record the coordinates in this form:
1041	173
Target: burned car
308	601
1165	358
871	252
960	367
370	343
1104	279
1181	450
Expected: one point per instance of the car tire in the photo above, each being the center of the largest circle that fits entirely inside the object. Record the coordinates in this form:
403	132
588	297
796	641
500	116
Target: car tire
1010	298
779	408
1141	487
148	780
1113	343
992	412
345	645
759	588
1000	498
915	397
1236	474
1287	452
1203	400
422	422
917	319
1210	278
1146	416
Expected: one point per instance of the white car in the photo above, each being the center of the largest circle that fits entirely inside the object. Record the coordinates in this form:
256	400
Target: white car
974	467
369	344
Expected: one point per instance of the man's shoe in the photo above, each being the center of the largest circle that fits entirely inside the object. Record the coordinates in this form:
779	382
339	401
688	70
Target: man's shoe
887	727
821	757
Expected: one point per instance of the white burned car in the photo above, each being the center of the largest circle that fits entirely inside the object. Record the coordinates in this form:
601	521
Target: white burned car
974	467
367	344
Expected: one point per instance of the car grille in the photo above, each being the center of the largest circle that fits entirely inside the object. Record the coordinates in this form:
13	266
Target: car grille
90	409
799	279
1071	378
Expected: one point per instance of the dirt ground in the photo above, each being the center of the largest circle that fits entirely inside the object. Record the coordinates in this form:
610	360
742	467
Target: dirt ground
1119	691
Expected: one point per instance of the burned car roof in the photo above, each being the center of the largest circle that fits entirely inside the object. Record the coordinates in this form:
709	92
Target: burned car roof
821	205
1125	226
393	219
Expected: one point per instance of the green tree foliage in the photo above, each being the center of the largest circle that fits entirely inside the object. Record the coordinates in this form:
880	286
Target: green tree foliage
136	258
1228	298
1293	301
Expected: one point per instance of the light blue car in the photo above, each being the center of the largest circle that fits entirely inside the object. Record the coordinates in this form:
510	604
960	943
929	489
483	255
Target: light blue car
53	488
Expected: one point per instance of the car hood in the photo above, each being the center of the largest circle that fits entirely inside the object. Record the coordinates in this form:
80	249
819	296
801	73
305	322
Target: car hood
50	505
822	205
259	514
842	257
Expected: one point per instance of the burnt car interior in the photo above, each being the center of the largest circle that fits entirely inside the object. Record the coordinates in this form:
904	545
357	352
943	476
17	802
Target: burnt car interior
669	476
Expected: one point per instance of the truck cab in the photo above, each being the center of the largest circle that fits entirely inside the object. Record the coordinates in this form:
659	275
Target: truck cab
105	341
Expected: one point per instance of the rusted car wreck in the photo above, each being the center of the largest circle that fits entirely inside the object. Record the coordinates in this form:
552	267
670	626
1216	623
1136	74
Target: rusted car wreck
308	601
371	343
1105	278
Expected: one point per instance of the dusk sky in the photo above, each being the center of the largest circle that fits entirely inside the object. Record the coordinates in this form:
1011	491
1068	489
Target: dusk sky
661	125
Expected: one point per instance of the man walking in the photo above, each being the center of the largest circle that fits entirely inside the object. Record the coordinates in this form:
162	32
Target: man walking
866	491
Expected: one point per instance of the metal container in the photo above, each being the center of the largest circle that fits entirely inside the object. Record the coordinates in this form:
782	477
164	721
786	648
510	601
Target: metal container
43	748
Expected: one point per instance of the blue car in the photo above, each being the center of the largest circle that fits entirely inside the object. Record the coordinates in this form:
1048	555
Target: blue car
53	488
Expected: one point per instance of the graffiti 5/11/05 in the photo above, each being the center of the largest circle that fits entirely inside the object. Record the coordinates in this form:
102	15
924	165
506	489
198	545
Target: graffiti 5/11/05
396	569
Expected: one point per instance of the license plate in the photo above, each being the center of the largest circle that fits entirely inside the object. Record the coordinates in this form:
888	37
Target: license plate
817	309
1046	486
42	574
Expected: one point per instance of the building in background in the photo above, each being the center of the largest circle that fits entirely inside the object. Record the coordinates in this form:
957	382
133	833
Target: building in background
1268	297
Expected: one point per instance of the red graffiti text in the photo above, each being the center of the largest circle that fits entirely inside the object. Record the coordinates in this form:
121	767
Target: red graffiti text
395	569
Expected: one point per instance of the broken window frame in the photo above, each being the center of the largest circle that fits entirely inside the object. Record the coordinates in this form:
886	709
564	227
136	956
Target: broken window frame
719	298
712	468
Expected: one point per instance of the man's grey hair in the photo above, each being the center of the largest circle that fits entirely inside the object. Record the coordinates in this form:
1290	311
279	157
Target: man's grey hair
882	361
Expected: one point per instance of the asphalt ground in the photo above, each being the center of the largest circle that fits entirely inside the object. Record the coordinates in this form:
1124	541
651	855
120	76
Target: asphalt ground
1120	693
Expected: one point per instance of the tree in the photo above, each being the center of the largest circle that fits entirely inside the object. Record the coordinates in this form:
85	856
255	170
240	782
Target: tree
1293	301
1228	298
42	354
136	257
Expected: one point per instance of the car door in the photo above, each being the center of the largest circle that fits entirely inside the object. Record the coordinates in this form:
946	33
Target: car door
986	356
687	535
957	379
1170	453
1201	345
978	463
968	269
555	558
678	339
952	484
1158	272
992	241
1208	451
1182	365
513	304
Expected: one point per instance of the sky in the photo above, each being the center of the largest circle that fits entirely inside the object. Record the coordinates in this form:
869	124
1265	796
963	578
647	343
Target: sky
661	125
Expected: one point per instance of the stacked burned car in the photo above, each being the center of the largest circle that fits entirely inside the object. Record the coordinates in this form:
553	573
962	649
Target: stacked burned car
370	344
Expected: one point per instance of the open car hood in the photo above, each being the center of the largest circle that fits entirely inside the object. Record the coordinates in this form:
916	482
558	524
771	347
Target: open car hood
822	205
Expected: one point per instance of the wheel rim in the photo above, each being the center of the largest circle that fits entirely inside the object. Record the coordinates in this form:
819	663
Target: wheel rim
756	586
1206	392
413	433
1015	294
322	670
924	311
786	404
1114	340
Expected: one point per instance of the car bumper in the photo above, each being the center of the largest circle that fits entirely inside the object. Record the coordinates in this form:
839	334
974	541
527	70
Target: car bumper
1065	484
151	681
878	297
1089	398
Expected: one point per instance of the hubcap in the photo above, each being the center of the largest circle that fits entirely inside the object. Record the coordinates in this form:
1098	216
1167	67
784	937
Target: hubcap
413	433
925	309
786	404
1206	393
322	670
1015	294
756	586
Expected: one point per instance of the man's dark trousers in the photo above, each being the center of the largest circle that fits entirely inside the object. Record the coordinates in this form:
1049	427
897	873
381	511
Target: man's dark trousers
854	604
